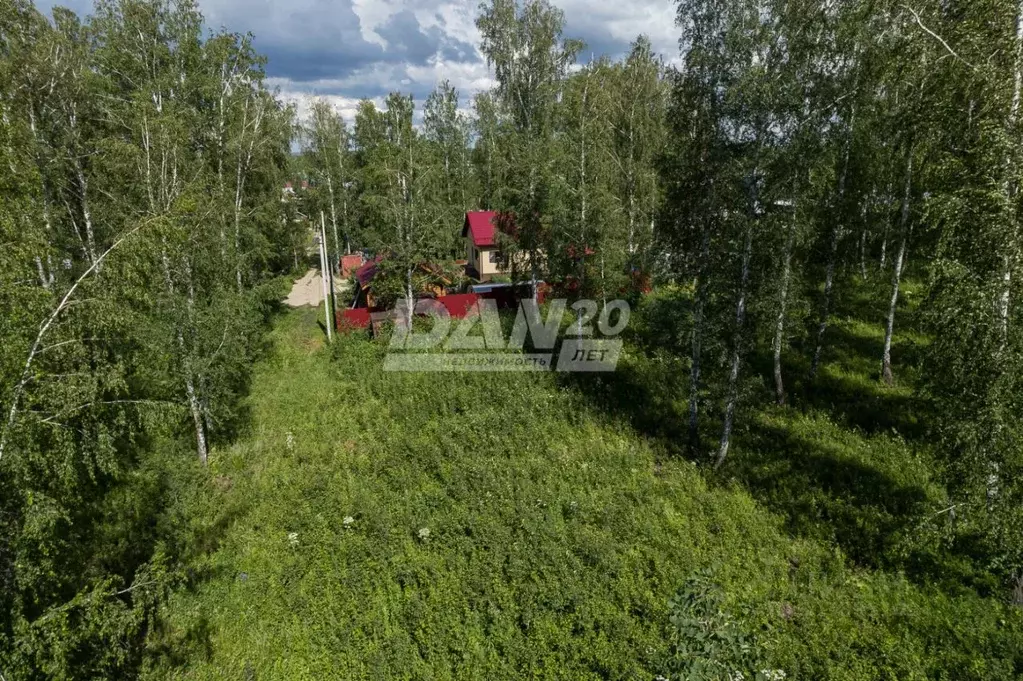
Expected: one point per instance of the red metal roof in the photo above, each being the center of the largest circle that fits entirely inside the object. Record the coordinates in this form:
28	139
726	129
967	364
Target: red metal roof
366	273
351	263
458	305
573	251
480	223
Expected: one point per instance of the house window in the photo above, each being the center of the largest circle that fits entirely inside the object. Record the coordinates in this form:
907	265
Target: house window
495	257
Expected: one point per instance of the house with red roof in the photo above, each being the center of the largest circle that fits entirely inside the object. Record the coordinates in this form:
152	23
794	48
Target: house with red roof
485	258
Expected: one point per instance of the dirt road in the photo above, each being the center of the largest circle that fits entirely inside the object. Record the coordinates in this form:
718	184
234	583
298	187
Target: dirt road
309	291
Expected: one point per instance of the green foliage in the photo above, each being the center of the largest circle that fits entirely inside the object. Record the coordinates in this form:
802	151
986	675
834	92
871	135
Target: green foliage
814	187
706	643
142	225
329	154
387	525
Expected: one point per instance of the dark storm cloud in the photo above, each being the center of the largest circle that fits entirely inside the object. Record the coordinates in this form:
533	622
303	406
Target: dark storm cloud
286	61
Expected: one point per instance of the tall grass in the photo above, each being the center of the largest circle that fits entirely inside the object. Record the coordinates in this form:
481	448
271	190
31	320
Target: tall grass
503	526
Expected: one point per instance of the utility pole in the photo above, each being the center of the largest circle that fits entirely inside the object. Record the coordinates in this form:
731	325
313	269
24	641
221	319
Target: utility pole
330	270
321	242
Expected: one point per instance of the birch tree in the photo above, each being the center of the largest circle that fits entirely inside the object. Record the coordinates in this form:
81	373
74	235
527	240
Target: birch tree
638	121
446	130
973	362
486	153
329	146
401	188
524	45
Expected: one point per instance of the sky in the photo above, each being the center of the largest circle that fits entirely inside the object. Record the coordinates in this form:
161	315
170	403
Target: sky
347	50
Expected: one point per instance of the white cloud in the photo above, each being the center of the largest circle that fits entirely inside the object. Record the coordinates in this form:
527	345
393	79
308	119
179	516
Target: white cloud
372	14
623	21
349	49
303	101
467	78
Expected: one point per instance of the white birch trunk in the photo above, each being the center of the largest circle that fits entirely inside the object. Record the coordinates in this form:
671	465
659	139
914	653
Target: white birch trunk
696	342
333	221
242	174
344	199
533	252
45	277
37	344
864	233
83	187
194	408
829	274
779	328
736	360
220	155
1011	189
581	248
410	299
900	257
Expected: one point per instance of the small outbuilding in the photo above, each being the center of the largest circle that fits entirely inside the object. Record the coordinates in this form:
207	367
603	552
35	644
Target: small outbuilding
483	252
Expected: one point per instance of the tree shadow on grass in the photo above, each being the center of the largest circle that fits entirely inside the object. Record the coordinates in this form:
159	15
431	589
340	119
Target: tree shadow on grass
645	395
858	493
175	649
821	490
827	493
850	397
863	495
235	421
850	388
860	489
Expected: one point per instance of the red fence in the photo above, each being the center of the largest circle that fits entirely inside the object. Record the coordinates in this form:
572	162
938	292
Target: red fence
352	319
458	306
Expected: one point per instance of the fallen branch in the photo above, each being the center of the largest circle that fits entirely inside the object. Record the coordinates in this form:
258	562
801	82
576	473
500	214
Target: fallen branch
135	586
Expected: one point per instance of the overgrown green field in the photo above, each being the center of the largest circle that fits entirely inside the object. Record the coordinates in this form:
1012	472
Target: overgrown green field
505	526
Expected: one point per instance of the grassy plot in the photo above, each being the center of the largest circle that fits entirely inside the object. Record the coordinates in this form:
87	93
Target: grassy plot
499	526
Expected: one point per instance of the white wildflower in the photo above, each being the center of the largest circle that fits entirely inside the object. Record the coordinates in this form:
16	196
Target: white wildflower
293	538
290	441
424	533
348	521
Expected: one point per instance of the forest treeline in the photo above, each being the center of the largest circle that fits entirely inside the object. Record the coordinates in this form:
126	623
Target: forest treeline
572	157
142	231
794	148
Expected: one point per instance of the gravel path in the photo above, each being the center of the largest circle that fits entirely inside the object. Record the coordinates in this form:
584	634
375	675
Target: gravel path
309	291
